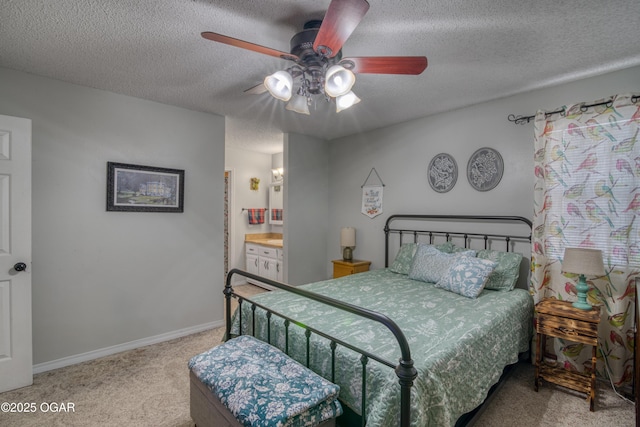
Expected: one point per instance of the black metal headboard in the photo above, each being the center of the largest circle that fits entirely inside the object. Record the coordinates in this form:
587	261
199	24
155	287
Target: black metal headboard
466	229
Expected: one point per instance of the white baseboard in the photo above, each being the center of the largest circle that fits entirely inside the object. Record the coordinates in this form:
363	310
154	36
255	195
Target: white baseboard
107	351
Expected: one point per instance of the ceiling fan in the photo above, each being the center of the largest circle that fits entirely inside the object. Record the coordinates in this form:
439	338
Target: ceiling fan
316	52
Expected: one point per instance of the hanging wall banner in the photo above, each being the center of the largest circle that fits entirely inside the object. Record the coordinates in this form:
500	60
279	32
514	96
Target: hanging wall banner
372	200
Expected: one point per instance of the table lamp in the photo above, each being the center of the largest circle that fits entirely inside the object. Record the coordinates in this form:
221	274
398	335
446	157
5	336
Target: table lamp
585	262
348	242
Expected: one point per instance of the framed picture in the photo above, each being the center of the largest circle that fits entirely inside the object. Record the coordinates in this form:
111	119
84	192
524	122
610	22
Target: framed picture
137	188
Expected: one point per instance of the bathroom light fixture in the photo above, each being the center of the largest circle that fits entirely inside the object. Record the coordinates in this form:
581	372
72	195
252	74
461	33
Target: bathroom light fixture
278	174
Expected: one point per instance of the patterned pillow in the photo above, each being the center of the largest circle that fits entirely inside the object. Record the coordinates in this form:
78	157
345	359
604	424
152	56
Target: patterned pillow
467	277
505	275
402	262
429	264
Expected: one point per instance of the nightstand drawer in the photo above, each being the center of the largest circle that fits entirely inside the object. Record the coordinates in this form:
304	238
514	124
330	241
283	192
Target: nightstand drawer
575	330
342	270
346	268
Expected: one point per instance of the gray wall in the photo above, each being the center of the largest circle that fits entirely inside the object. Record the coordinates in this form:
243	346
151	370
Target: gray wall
402	153
101	279
306	207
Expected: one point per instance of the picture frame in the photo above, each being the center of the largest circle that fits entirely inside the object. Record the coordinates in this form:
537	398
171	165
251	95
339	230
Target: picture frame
139	188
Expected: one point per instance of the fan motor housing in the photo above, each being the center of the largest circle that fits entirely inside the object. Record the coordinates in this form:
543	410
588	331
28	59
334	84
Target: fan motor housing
302	46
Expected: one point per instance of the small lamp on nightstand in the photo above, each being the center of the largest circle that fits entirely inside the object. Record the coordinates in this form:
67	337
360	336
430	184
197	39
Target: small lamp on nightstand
348	242
585	262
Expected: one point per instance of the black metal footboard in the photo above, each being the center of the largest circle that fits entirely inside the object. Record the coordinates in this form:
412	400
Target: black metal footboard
404	369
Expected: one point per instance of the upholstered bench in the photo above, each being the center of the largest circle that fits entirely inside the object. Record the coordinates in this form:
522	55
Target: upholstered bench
247	382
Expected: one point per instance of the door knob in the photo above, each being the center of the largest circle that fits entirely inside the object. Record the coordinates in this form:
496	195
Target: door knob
20	266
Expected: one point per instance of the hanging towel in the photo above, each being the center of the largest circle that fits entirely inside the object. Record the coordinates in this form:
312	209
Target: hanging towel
276	214
256	215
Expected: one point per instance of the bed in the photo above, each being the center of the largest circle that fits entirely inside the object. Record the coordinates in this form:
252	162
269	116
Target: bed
404	350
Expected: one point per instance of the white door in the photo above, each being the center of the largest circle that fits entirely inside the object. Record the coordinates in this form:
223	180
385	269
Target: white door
16	359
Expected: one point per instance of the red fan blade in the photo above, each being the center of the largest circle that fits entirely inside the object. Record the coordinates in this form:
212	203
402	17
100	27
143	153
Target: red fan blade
247	45
342	17
386	64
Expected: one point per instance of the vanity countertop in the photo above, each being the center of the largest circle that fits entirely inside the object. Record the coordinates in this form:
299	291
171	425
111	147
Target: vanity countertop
273	240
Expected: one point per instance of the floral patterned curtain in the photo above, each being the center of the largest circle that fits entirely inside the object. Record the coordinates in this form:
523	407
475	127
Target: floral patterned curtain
587	194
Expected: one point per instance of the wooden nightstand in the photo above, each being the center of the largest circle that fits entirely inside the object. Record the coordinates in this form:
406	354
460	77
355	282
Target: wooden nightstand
345	268
561	320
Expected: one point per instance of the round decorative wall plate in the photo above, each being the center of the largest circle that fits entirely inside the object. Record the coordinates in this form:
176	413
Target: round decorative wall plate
443	173
485	168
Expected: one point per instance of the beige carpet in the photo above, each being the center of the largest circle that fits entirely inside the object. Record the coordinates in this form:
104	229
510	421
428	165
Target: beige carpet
150	387
143	387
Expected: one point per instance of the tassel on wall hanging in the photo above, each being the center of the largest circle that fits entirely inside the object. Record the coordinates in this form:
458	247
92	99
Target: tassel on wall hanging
372	196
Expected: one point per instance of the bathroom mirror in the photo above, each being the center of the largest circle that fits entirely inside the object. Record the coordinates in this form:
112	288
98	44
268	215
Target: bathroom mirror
276	202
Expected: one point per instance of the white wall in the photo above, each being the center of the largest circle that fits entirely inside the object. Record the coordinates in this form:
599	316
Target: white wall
101	279
402	153
244	165
306	208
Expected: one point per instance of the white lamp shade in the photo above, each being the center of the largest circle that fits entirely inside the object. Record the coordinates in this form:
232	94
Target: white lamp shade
338	81
345	101
583	261
298	104
279	85
348	237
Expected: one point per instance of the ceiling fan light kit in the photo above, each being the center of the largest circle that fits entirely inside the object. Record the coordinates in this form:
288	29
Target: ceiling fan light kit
345	101
319	68
279	85
338	81
298	104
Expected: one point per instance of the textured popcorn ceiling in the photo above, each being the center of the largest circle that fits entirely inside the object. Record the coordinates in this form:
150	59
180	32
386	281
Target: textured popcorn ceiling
477	51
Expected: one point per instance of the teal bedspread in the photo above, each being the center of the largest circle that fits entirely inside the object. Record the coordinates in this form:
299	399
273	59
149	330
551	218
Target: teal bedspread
459	345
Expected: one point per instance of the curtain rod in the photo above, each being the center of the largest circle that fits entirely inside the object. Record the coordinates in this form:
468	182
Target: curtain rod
520	120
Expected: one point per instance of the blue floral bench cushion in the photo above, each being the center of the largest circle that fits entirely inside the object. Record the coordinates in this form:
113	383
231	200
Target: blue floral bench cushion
261	386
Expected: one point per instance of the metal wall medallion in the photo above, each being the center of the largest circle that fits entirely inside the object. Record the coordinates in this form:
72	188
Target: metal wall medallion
443	173
485	168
